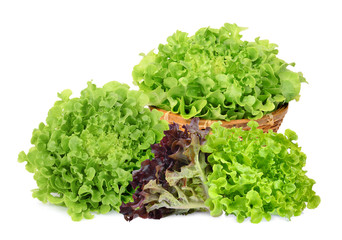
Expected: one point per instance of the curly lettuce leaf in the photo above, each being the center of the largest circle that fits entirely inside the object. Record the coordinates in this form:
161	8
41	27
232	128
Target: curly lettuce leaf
173	182
290	85
84	154
216	75
256	174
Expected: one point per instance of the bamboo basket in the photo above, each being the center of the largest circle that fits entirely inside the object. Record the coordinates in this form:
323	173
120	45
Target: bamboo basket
272	120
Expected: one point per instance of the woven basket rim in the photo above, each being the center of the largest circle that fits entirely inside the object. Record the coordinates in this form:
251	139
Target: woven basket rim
267	119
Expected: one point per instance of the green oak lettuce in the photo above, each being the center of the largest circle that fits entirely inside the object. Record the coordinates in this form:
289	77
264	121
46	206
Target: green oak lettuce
249	174
257	175
84	154
216	75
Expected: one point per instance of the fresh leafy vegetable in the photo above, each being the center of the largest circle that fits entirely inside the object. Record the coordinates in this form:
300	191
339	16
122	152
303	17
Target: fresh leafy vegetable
257	175
174	180
215	75
84	154
244	173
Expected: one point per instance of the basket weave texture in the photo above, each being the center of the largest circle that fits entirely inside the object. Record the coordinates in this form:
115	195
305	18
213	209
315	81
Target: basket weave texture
272	120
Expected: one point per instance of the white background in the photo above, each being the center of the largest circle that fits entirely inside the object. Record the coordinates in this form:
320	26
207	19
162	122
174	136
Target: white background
48	46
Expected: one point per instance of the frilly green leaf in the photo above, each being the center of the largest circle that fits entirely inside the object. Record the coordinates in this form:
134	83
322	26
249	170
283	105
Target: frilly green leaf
89	146
291	135
256	174
216	75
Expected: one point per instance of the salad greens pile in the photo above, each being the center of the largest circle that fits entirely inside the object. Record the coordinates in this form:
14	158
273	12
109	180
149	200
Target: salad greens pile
216	75
84	154
244	173
90	155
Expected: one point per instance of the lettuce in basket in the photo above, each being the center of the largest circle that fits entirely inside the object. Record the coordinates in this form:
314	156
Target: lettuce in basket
84	154
216	75
249	174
